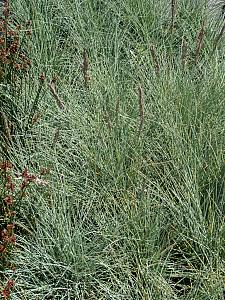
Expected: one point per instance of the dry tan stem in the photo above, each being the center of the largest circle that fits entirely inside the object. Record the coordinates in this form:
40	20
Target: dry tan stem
56	136
59	102
155	59
173	11
86	68
7	127
199	42
184	52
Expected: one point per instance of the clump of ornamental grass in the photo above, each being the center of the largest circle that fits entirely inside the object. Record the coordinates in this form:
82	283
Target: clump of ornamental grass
13	190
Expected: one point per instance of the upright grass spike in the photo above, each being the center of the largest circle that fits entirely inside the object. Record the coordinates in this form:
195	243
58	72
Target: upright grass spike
59	101
155	59
173	13
85	68
199	42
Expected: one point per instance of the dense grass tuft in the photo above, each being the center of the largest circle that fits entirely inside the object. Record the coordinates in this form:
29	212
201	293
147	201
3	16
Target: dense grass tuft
135	203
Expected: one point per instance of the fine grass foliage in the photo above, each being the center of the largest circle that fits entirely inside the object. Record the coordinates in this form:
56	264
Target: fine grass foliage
134	208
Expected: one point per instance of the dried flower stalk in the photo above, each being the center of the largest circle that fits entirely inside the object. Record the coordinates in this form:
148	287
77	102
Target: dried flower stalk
199	42
35	118
184	52
108	120
85	67
56	137
7	127
173	11
59	101
155	59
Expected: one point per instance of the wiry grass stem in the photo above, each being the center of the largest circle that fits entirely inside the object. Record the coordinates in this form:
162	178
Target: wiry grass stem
141	109
199	42
59	101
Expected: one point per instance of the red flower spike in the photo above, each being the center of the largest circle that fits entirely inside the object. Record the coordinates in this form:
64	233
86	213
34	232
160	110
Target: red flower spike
14	48
10	284
10	186
9	200
25	173
28	177
13	239
9	178
6	293
17	67
5	236
5	165
2	248
12	32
